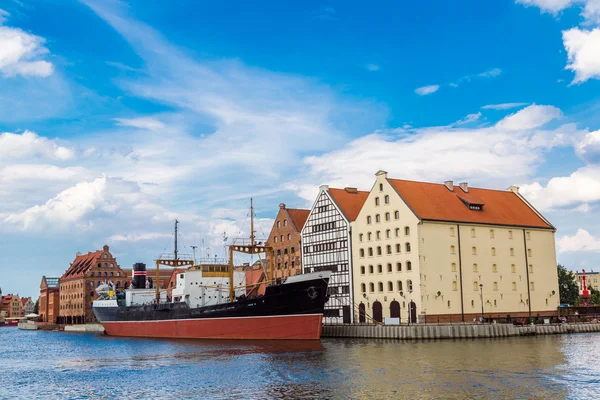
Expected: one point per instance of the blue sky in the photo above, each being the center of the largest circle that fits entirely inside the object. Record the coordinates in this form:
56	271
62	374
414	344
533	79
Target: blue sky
117	117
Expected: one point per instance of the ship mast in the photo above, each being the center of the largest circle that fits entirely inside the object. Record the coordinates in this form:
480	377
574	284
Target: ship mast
253	248
174	263
175	252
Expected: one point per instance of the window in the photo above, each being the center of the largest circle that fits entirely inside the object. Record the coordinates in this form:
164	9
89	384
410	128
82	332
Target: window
377	218
370	269
398	267
380	286
493	251
474	250
409	285
275	239
399	285
397	232
408	266
396	214
448	303
513	269
407	247
495	286
452	249
362	252
473	233
494	268
381	187
398	247
491	234
528	235
453	267
387	216
285	222
386	199
530	268
512	251
388	234
289	236
390	286
510	235
529	253
454	286
378	235
370	252
368	219
379	269
371	287
363	288
92	274
360	237
514	286
532	286
451	231
389	249
475	286
475	268
389	267
285	251
406	231
282	238
105	265
379	252
369	236
279	224
362	269
376	201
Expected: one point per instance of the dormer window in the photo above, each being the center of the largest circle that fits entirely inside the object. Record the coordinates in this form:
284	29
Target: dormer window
475	207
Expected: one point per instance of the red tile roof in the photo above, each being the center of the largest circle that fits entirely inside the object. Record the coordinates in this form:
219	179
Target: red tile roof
350	201
298	217
24	300
82	264
432	201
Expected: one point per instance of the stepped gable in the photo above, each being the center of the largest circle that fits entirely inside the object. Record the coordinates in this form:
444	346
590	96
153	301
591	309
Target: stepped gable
81	265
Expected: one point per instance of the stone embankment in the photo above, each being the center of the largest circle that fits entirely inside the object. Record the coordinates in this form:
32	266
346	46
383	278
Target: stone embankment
457	331
87	328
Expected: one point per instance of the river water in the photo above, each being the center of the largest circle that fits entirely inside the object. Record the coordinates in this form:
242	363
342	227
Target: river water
35	364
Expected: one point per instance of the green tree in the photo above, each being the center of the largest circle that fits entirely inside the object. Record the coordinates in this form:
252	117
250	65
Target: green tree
595	299
36	308
567	286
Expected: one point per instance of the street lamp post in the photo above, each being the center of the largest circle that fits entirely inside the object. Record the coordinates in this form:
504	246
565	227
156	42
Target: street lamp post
481	294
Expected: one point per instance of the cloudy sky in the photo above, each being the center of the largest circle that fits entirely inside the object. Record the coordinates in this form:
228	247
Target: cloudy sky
118	117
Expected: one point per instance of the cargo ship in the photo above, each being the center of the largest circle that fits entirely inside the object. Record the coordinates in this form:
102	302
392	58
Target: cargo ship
210	302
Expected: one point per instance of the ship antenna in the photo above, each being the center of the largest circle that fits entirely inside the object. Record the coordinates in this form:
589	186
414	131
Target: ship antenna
176	222
194	252
251	223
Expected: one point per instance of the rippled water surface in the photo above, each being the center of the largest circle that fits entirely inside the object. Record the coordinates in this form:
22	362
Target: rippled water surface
36	364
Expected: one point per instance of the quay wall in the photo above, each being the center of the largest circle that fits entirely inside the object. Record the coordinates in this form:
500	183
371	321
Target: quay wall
85	328
455	331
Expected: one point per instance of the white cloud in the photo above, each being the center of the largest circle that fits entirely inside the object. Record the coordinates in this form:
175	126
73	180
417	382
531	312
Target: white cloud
425	90
22	53
588	148
3	16
503	106
372	67
29	145
148	123
530	117
136	237
492	73
468	119
551	6
582	241
583	49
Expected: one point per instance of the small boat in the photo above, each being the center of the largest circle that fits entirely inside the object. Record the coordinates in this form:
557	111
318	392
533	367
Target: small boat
210	302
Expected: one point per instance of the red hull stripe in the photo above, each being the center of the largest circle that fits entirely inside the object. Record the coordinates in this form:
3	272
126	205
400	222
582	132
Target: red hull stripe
139	273
268	327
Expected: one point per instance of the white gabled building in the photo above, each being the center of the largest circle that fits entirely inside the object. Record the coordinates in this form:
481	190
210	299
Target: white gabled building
326	245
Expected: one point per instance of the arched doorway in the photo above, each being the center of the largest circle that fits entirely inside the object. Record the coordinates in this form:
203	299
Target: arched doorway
394	309
362	314
377	312
412	309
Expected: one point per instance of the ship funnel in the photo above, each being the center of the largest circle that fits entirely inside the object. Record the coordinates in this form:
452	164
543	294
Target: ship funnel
139	276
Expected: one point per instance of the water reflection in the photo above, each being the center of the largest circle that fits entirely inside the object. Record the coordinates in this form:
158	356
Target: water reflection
56	365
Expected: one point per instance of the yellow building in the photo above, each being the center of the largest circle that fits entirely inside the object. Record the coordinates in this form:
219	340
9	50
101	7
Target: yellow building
438	252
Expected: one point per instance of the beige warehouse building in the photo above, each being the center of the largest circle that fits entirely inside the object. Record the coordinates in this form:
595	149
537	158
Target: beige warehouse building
439	252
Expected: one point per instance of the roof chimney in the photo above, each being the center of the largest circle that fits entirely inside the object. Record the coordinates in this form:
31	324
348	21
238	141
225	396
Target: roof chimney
78	254
281	205
514	189
464	186
352	190
449	185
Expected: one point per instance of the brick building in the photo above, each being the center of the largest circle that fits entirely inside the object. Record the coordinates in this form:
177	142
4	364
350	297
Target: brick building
285	240
12	306
28	305
77	285
49	300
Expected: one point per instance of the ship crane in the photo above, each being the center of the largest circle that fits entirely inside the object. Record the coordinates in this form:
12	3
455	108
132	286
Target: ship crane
585	294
